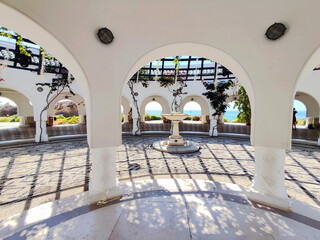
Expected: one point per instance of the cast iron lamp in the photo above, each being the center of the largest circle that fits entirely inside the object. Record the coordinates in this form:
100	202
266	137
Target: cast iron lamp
105	35
275	31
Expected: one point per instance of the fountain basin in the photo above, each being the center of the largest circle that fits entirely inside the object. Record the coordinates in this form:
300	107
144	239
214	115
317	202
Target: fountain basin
176	144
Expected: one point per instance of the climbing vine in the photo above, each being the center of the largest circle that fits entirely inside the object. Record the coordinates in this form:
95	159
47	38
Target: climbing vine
56	86
131	83
170	79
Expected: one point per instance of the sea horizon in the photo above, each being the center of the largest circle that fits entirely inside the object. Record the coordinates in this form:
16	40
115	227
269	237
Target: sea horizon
229	114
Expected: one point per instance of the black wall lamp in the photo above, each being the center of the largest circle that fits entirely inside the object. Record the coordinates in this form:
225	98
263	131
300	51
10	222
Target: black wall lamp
275	31
105	35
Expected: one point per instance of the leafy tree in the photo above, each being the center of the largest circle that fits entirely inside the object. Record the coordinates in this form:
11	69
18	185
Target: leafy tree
243	104
217	96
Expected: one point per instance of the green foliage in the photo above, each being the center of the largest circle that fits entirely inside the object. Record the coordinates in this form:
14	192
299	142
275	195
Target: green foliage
19	40
301	122
243	104
225	119
240	119
151	117
143	78
217	97
10	119
147	117
196	118
68	120
187	118
122	118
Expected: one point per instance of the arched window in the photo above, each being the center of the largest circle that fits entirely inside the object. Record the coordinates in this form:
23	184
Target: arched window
66	112
192	108
301	112
153	108
231	113
153	111
7	107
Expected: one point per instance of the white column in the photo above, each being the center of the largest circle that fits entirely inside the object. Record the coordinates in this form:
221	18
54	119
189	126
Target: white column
135	126
309	120
81	119
268	183
222	118
44	136
203	118
104	184
213	132
143	118
125	118
23	121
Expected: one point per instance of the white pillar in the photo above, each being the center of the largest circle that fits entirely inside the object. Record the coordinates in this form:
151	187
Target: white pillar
125	118
81	119
203	118
213	131
268	183
44	136
309	120
23	121
143	119
104	174
135	126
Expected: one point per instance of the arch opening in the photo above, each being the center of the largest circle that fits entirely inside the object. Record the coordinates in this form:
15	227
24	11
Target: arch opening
153	111
66	112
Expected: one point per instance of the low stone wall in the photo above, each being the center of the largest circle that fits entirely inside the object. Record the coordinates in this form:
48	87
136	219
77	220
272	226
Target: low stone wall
58	130
29	132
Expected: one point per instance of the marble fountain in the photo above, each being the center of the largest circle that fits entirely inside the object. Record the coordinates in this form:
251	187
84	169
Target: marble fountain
176	143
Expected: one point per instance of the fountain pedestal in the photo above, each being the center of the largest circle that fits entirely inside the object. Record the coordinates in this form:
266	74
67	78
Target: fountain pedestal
176	143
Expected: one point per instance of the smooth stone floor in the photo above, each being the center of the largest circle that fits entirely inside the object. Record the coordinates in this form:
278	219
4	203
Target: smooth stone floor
165	209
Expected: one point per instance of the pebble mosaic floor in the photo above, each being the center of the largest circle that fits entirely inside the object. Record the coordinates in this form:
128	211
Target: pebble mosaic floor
38	173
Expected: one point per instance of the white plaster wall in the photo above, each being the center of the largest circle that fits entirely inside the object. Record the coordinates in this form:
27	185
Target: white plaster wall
310	86
165	98
24	107
311	104
266	68
126	105
159	99
201	100
77	99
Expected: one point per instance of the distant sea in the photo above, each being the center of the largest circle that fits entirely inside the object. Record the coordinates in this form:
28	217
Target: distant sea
230	114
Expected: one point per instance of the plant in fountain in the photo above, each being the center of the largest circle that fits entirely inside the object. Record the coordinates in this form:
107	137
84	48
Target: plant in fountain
174	79
139	77
56	86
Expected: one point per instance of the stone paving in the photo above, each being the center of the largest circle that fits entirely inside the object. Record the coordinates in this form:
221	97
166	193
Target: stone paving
37	173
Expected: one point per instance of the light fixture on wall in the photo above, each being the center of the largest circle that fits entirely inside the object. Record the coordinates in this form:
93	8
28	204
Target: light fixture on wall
39	89
153	99
66	97
105	35
275	31
192	99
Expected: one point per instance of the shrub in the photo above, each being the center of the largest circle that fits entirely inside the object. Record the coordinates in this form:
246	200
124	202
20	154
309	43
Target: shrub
60	121
196	118
122	118
301	122
147	117
153	117
225	119
187	118
69	120
9	119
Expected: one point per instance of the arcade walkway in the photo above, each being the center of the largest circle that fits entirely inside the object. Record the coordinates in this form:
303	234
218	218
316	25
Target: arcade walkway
38	173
